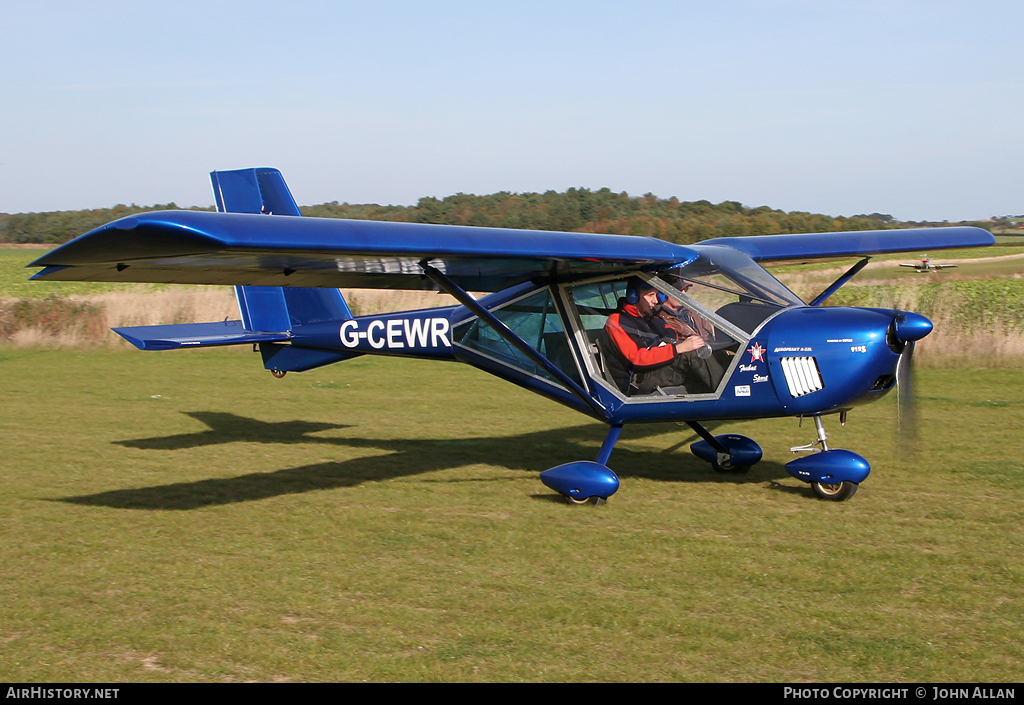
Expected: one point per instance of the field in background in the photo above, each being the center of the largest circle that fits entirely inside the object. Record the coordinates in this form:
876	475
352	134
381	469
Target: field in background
80	314
977	308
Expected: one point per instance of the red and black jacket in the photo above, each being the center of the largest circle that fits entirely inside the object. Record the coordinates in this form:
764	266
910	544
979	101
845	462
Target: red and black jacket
636	343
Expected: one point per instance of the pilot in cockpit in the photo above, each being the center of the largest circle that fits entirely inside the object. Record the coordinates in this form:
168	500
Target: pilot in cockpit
658	345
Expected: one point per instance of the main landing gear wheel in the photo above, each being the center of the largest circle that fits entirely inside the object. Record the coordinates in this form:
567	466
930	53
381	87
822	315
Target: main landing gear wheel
835	493
595	501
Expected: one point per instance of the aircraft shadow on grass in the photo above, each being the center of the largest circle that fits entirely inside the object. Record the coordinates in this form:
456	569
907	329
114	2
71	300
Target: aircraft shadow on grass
529	452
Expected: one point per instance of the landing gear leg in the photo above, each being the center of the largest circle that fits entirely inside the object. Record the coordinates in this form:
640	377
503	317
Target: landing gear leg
609	444
834	474
723	451
813	446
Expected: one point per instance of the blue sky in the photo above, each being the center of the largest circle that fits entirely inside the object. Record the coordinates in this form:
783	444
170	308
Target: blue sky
908	108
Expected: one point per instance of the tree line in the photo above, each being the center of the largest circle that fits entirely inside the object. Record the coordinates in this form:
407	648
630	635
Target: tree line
604	211
56	227
580	210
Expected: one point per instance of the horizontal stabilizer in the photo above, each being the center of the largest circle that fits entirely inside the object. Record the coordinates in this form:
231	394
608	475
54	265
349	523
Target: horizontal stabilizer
195	335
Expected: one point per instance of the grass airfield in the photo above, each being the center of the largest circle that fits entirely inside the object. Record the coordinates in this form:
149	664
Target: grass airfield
184	516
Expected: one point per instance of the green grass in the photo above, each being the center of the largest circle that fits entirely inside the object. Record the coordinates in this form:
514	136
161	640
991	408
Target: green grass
978	306
997	250
186	517
14	279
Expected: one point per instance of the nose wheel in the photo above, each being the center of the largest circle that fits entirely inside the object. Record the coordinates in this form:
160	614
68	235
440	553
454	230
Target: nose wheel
593	501
835	493
833	473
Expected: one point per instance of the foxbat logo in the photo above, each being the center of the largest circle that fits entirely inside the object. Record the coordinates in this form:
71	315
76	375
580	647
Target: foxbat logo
397	333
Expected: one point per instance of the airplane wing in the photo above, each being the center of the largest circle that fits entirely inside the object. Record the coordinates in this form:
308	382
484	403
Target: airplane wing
196	247
248	248
912	266
860	243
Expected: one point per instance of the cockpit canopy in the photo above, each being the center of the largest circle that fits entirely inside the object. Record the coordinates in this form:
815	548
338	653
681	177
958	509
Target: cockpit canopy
731	285
719	299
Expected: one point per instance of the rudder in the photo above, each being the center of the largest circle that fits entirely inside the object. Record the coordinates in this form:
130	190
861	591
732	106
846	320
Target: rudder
273	308
276	308
253	191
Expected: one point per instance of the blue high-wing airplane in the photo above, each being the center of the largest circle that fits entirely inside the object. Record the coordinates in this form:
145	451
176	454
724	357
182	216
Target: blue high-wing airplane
566	319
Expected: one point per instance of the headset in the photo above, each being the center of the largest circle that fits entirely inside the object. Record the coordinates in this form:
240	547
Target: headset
633	296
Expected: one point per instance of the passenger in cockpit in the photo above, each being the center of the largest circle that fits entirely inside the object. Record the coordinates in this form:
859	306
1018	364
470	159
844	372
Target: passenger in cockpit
684	321
653	351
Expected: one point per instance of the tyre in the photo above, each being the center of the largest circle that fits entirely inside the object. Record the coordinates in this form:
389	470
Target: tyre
731	470
595	501
835	493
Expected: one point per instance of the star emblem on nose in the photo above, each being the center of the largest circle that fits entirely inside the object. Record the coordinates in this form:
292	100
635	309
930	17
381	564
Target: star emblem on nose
757	353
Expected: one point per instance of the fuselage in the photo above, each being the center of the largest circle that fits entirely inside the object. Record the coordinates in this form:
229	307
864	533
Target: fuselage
779	357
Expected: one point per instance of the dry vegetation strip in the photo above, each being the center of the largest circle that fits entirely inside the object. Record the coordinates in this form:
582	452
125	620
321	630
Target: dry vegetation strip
976	316
961	327
85	320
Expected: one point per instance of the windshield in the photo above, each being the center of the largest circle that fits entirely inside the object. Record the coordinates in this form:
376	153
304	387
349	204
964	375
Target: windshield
735	272
730	284
679	332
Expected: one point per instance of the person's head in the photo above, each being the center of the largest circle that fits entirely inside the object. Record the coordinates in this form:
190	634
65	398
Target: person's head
644	296
678	282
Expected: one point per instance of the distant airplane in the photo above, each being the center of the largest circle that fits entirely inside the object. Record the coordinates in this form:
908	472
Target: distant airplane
926	265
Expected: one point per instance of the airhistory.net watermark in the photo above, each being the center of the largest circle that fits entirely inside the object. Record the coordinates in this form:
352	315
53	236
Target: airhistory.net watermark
62	693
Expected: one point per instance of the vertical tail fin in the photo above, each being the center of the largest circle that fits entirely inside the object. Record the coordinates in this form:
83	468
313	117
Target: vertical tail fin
275	308
253	191
272	308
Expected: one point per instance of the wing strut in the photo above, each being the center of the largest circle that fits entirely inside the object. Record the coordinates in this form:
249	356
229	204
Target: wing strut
510	337
834	287
706	435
